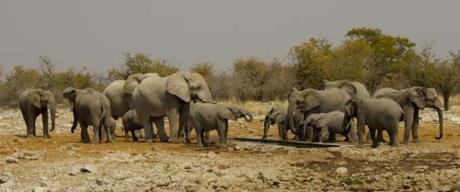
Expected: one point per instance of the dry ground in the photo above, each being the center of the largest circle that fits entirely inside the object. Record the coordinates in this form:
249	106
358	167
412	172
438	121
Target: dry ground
62	163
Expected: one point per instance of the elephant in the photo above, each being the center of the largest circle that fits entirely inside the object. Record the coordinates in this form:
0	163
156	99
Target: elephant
120	93
90	108
210	116
34	102
411	101
353	88
378	114
327	124
312	101
131	124
156	97
278	116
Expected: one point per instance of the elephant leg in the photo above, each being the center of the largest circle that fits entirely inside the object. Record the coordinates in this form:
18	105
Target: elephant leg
375	141
160	125
133	134
221	131
331	137
415	126
25	116
108	131
97	130
45	123
408	122
393	133
380	138
183	120
324	134
148	129
32	119
173	118
84	136
309	133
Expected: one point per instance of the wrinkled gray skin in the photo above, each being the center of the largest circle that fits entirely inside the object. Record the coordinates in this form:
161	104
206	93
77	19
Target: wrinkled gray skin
120	93
411	101
312	101
131	124
355	89
326	124
279	117
156	97
208	116
90	108
378	114
34	102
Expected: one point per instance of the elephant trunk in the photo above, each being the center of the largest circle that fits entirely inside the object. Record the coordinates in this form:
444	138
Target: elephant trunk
441	128
267	124
53	117
75	120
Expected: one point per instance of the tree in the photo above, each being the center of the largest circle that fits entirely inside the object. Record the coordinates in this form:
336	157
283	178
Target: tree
387	54
205	69
312	61
19	80
449	73
47	72
250	76
141	63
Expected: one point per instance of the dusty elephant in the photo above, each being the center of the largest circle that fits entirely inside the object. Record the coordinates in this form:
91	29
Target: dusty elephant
131	124
209	116
279	117
156	97
34	102
120	93
327	124
411	101
378	114
90	108
312	101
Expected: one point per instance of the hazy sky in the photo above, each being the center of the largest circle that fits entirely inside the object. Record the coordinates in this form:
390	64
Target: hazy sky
94	33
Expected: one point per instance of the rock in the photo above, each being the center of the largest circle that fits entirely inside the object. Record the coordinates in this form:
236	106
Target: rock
30	155
38	189
5	177
88	169
341	171
367	169
11	160
211	154
421	168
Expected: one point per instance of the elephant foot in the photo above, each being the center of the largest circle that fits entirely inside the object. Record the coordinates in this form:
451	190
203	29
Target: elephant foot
46	136
29	136
416	140
85	141
149	140
405	142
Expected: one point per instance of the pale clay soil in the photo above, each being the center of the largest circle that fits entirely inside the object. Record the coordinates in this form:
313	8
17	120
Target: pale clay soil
62	163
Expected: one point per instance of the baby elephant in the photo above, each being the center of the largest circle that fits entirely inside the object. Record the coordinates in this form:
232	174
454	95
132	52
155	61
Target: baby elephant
278	116
209	116
378	114
328	124
131	124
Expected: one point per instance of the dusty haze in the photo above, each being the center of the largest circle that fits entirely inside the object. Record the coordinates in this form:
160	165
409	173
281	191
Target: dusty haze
93	34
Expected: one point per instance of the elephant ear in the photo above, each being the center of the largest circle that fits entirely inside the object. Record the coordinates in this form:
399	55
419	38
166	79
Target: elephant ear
36	100
349	87
313	99
177	85
417	96
227	113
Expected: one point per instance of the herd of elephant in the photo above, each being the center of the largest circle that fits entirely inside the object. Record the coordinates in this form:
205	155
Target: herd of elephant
144	100
317	115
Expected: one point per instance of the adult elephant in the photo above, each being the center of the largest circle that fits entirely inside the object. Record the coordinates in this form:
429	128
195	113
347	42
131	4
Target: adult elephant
411	101
314	101
120	93
90	108
34	102
156	97
353	88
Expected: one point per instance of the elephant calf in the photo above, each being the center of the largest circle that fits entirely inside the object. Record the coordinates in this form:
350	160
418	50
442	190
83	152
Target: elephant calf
209	116
377	114
279	116
328	124
131	124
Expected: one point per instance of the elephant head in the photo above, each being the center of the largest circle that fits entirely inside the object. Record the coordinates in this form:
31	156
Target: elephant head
42	99
295	98
70	94
427	97
234	112
189	87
